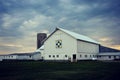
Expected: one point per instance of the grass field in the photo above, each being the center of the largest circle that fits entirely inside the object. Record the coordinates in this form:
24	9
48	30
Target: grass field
36	70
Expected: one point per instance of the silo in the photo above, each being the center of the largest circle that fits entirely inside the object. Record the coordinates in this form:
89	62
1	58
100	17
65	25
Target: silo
40	39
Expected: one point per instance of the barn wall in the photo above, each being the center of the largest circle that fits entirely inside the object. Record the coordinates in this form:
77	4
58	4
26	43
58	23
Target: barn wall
24	57
85	47
41	52
69	46
106	57
86	50
86	56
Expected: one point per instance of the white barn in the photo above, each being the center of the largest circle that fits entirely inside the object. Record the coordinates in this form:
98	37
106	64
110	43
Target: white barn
66	45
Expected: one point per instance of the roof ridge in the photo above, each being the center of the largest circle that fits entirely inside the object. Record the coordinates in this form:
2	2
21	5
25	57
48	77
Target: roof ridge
78	36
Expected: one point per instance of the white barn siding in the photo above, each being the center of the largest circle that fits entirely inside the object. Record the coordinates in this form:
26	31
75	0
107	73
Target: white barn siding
41	50
86	50
69	46
86	47
106	58
24	57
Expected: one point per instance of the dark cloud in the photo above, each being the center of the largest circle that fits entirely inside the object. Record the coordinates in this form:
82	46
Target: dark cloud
95	18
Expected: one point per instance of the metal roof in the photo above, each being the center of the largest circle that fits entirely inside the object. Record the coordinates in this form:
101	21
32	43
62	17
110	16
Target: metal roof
78	36
103	49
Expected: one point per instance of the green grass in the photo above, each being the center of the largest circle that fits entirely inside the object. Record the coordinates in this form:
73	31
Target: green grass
36	70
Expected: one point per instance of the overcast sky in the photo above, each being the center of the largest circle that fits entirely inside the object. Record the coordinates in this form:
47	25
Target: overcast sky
21	20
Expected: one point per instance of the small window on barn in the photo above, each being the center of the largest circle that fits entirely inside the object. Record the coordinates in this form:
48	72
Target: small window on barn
90	55
80	55
85	55
49	55
115	57
57	55
65	55
109	56
30	56
53	55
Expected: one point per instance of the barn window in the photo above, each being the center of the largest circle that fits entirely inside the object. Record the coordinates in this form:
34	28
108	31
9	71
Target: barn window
58	43
53	55
109	56
90	55
85	55
30	56
49	55
93	55
99	56
65	55
80	55
57	55
115	57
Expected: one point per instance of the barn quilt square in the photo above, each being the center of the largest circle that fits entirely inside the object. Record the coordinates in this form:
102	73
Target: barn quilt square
58	43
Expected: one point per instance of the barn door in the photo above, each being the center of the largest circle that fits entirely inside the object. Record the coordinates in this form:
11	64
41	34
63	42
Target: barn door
74	57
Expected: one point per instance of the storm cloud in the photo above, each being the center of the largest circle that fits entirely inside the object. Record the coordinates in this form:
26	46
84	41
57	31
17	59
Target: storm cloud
21	20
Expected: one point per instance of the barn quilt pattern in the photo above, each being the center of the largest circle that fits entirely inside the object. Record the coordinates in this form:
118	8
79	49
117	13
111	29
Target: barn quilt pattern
58	43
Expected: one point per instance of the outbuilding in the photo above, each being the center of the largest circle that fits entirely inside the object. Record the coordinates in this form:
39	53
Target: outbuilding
109	56
21	56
